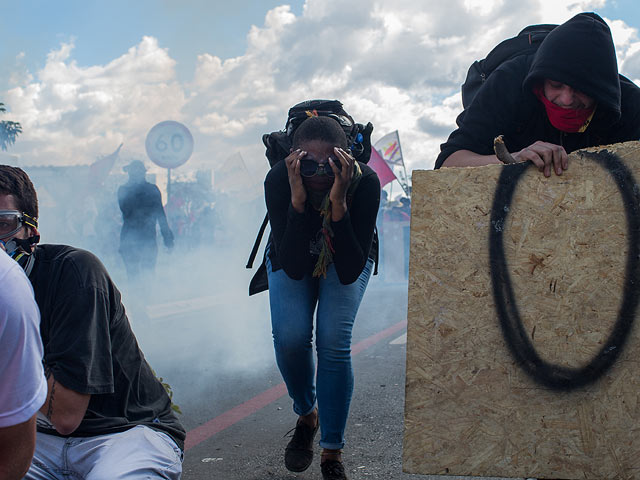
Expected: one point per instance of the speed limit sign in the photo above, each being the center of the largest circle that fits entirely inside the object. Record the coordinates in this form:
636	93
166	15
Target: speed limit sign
169	144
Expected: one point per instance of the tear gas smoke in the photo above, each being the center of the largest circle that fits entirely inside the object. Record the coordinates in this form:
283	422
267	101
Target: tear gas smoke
193	318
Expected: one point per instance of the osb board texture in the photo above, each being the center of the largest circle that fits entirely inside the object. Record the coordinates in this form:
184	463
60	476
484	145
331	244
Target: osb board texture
471	409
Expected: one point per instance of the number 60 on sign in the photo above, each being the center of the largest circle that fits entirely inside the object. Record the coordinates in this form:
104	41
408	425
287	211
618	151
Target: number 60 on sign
169	144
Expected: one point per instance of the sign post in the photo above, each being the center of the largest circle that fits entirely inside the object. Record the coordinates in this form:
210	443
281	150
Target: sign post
169	144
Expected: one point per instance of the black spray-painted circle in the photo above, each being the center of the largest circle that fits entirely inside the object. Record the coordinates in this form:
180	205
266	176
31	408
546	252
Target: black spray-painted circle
551	375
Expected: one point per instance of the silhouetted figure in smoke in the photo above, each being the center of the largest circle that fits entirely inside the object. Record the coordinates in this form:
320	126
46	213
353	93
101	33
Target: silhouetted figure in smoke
141	206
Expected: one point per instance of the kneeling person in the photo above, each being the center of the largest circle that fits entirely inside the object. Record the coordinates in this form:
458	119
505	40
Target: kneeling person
106	414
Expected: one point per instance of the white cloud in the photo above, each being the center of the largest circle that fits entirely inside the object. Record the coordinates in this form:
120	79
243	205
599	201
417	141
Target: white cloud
72	114
392	62
627	48
216	124
481	7
558	11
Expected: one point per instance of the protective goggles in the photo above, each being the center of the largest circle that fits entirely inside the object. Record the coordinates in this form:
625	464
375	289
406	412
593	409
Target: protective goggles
11	221
310	168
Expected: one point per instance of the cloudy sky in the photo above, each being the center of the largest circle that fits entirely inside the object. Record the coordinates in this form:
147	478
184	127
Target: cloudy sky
83	77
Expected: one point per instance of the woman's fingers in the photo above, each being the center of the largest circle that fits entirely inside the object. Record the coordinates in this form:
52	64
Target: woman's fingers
346	161
342	177
343	155
293	161
295	155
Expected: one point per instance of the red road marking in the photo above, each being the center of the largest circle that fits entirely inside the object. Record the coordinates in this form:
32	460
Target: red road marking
234	415
367	342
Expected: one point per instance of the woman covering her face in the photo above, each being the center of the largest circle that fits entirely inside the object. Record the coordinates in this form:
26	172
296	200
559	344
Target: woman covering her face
322	206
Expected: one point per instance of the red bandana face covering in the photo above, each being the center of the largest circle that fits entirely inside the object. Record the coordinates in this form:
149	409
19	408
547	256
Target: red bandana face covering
568	120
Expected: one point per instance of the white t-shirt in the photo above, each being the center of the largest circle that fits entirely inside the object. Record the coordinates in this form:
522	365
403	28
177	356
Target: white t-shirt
23	387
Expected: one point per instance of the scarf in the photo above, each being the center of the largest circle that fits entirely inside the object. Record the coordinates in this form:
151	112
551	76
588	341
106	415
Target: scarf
568	120
325	258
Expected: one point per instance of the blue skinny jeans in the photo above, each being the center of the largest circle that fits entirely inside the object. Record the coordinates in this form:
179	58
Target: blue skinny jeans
293	303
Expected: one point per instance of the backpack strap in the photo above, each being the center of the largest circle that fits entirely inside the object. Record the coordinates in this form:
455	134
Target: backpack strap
377	240
256	245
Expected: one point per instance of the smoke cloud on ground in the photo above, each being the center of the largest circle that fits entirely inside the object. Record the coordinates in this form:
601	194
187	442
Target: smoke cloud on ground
193	317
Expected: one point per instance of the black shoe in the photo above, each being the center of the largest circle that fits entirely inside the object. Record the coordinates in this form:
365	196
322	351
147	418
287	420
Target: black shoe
333	470
299	452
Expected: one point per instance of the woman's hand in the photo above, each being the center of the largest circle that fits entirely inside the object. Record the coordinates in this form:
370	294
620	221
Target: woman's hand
338	193
298	192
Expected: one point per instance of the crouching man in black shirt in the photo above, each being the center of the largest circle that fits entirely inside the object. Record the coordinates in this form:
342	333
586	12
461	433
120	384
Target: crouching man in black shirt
106	414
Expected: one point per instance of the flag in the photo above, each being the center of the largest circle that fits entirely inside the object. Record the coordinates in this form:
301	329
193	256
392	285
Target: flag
377	163
389	148
99	170
233	176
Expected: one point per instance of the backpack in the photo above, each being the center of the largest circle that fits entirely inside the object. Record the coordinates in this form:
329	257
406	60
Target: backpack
278	146
278	143
525	43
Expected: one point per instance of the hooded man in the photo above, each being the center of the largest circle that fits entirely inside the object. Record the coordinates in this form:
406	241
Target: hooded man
567	96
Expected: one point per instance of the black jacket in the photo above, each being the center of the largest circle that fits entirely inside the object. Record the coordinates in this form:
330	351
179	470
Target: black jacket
579	53
292	232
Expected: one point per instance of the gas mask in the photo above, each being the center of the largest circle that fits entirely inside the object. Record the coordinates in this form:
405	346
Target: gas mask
11	221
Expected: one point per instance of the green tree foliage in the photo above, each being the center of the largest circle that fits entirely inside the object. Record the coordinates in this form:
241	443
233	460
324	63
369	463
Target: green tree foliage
169	391
8	130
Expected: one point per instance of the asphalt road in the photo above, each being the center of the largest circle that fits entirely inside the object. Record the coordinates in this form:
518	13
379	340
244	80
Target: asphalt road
212	344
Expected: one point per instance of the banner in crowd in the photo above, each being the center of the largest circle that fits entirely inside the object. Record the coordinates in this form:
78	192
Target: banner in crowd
377	163
391	151
389	148
100	169
233	176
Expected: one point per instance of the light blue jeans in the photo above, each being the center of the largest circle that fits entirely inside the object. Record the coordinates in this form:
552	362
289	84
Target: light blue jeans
293	303
136	454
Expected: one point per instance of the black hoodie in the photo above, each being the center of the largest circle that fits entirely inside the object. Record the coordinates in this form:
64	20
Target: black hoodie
579	53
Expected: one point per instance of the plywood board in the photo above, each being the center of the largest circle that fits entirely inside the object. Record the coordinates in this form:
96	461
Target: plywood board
517	283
